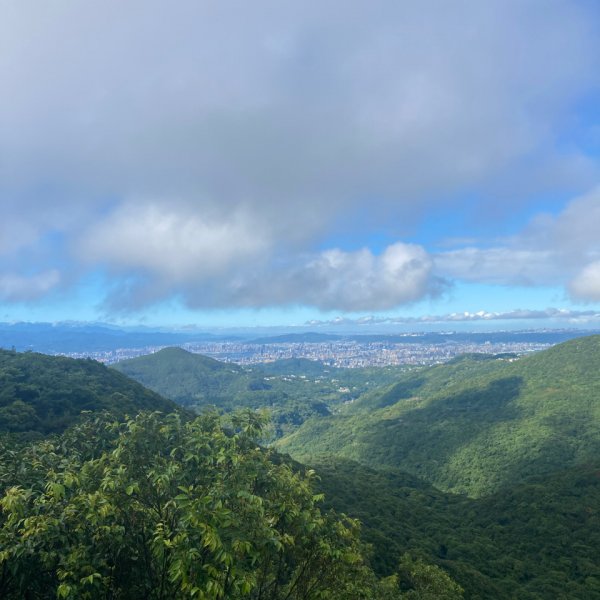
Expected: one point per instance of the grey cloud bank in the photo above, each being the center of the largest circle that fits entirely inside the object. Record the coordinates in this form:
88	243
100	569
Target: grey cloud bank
207	150
16	287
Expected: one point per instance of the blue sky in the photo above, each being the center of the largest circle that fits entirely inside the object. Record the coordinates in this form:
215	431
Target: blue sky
227	164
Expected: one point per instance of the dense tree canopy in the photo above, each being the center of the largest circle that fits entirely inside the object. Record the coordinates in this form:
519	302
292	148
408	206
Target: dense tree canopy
160	508
42	394
533	541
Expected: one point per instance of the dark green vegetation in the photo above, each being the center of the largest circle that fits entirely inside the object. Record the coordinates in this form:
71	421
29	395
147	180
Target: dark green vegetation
522	437
292	390
475	425
42	394
157	508
537	540
171	507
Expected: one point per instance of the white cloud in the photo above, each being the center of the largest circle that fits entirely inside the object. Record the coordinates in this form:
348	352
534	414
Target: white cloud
500	265
273	124
333	279
277	103
548	314
551	250
355	281
16	288
172	244
573	232
586	284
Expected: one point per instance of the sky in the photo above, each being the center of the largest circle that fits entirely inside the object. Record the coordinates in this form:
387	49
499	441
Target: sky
282	163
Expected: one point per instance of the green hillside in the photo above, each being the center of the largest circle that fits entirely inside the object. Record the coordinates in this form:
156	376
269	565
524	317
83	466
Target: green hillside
473	425
292	390
198	382
535	541
46	394
184	377
146	499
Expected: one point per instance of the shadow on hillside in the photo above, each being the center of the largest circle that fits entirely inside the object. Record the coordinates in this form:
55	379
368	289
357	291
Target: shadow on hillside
567	444
422	440
491	402
400	391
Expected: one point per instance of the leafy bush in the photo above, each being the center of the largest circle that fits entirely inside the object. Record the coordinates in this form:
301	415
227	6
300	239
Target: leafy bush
164	509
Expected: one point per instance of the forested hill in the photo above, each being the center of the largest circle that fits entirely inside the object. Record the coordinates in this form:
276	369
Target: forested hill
198	382
292	390
46	394
184	377
199	507
474	425
534	541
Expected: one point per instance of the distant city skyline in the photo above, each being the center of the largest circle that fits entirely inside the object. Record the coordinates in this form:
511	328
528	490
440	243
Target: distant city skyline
407	165
348	347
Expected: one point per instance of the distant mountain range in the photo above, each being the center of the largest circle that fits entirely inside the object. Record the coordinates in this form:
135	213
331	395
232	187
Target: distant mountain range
476	337
88	338
309	337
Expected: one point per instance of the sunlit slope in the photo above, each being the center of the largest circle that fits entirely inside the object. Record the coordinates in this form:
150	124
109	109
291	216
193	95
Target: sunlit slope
46	394
183	376
199	382
291	390
474	425
196	380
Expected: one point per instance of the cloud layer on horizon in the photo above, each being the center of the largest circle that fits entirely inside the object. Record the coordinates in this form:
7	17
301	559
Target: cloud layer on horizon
209	151
548	314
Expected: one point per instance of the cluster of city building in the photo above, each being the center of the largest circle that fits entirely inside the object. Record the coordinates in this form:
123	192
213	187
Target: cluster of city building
342	353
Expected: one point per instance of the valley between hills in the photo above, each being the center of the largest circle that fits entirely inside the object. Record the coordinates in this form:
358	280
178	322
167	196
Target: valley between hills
479	478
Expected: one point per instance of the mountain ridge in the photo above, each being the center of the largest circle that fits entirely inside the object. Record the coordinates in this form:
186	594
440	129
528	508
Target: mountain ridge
46	394
472	426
